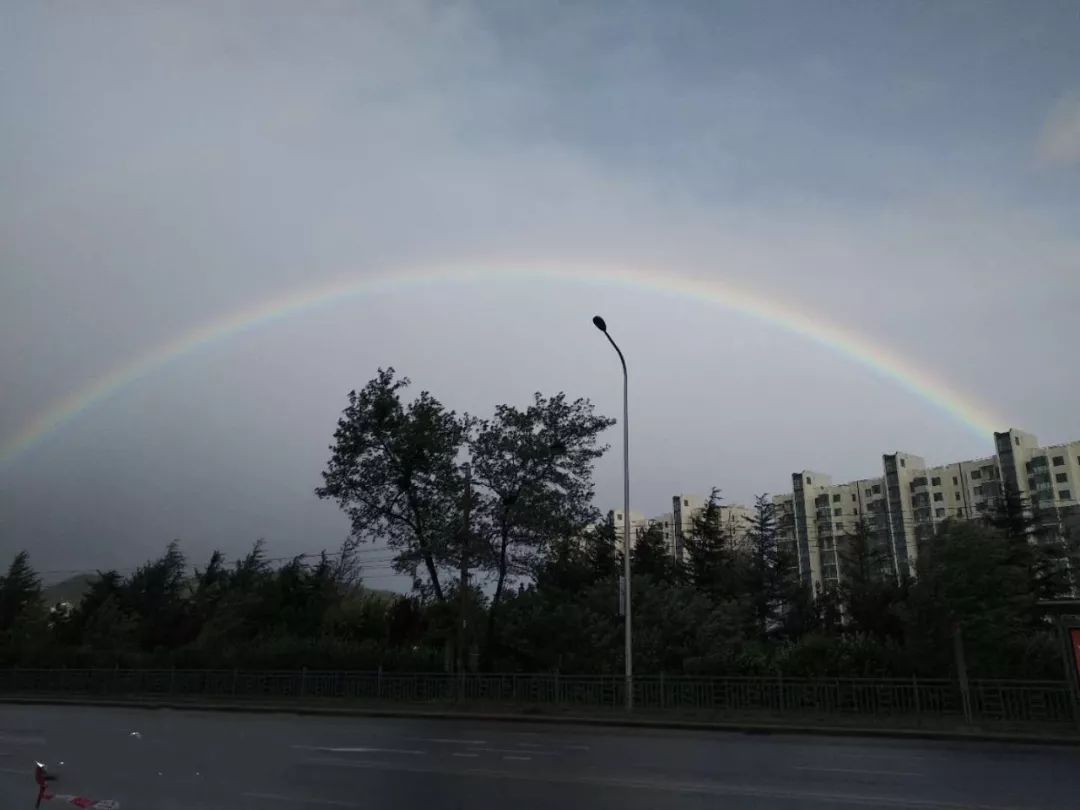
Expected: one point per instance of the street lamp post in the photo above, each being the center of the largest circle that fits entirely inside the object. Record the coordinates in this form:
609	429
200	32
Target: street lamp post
598	322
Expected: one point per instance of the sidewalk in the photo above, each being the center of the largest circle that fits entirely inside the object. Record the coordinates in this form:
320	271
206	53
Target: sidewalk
821	726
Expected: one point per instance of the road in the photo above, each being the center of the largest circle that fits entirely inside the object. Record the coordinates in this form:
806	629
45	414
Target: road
218	761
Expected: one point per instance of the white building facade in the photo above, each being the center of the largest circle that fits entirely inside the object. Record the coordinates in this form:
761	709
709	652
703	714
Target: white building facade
904	506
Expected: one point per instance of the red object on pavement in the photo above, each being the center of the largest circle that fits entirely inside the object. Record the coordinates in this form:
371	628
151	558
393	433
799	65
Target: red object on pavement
82	801
42	777
1074	633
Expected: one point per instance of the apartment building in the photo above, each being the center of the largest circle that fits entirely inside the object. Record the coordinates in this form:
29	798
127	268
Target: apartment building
638	524
665	523
901	508
904	506
675	525
822	513
784	508
685	509
1048	476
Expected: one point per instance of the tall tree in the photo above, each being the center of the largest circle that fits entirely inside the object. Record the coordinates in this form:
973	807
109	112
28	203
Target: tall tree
567	617
868	590
765	578
155	594
20	591
394	470
712	564
532	470
652	559
240	612
969	576
1038	543
601	549
106	587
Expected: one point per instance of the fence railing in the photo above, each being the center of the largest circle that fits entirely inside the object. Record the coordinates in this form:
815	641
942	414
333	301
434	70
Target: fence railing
910	700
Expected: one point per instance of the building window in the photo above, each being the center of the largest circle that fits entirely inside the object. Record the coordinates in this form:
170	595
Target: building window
854	497
938	496
1065	495
903	463
838	512
935	482
1061	478
977	490
808	479
955	481
1059	460
956	495
685	502
839	527
939	512
877	489
868	493
1017	440
975	475
836	498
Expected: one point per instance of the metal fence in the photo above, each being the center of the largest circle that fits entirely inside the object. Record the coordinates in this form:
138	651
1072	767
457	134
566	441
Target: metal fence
910	700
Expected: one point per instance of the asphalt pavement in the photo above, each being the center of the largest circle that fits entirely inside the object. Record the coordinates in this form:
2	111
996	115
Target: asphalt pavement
167	760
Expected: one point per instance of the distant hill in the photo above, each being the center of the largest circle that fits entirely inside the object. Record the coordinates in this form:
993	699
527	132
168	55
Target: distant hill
68	590
381	594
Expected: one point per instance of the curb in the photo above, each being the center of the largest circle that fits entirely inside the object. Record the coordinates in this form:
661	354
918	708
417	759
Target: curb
1014	738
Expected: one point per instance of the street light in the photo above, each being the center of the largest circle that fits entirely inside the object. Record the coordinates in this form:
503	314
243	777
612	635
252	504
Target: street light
598	322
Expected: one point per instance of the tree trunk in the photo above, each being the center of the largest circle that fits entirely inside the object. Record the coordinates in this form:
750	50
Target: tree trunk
425	549
433	572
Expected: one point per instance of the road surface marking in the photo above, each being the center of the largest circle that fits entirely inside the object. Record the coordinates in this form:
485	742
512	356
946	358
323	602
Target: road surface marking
464	754
515	751
855	770
10	739
891	757
299	800
358	750
445	741
518	758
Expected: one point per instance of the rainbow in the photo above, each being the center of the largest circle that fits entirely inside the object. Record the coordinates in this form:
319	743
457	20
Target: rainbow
809	325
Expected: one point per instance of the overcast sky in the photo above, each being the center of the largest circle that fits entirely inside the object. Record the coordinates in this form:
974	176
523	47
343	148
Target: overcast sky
909	171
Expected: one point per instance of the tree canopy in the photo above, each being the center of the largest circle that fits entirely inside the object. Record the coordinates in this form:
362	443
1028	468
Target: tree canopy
494	521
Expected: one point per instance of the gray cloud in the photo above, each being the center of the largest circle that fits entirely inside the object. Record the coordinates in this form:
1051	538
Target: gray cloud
1059	141
168	165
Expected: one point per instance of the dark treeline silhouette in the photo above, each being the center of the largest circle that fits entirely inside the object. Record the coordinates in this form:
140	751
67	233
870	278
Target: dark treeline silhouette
733	606
513	571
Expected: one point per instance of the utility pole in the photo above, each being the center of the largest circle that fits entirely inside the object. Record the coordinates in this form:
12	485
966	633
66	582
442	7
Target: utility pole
961	670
